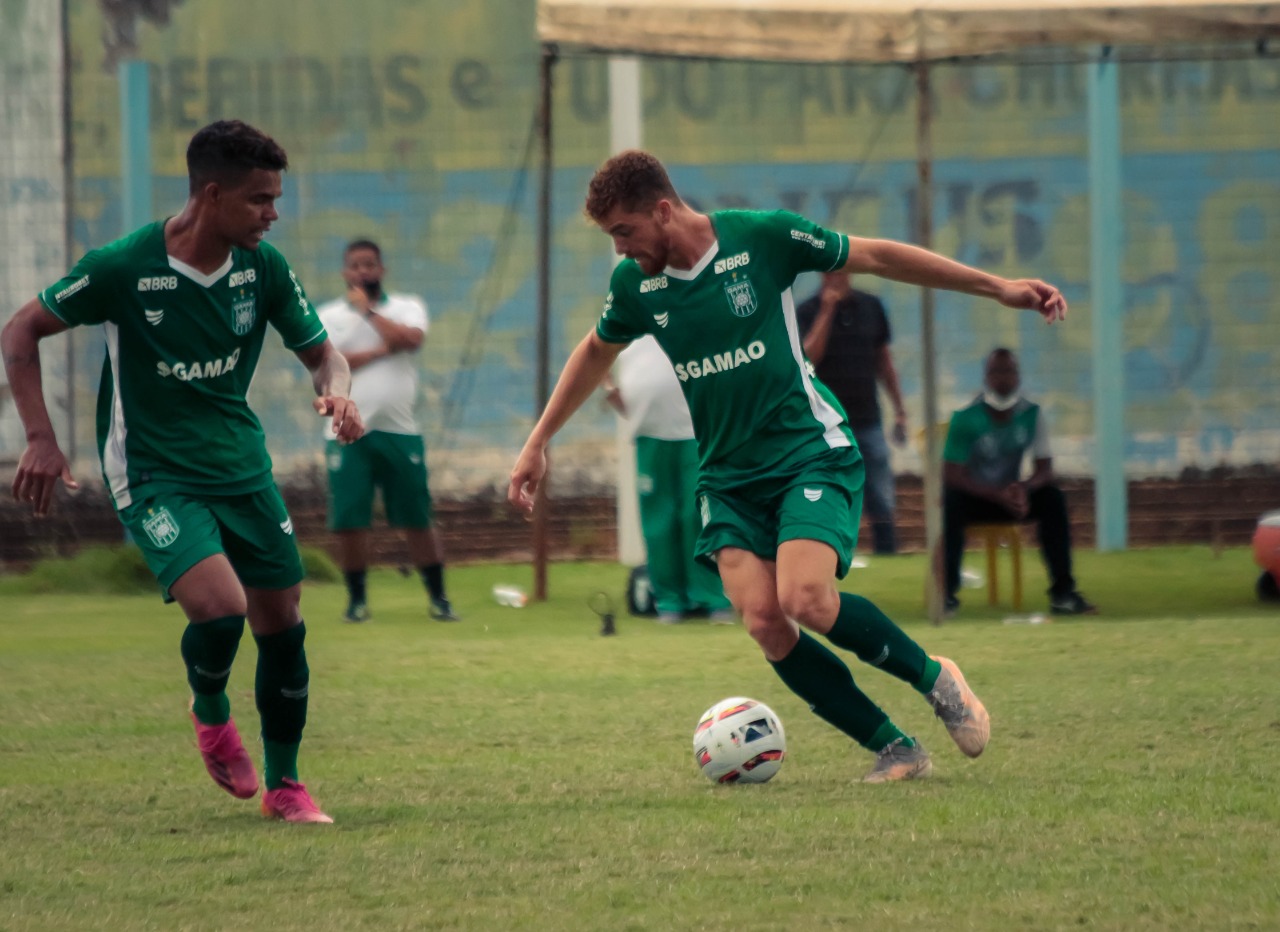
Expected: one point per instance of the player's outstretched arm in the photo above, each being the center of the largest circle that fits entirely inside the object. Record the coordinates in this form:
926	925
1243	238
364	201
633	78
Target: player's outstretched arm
916	266
587	365
42	463
332	380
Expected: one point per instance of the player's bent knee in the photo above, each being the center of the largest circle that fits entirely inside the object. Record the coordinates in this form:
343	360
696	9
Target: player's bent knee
200	604
758	611
807	602
274	610
214	605
775	637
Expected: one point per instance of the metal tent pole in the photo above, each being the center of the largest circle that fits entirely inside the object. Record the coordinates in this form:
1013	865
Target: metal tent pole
542	505
924	237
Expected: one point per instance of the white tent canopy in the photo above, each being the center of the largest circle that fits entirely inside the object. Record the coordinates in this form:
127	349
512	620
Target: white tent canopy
920	32
888	30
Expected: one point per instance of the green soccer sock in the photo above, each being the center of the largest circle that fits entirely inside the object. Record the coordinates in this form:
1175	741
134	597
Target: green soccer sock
433	578
208	650
281	692
869	633
281	761
821	679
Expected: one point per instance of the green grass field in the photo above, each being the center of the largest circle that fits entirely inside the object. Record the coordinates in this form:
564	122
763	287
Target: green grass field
518	771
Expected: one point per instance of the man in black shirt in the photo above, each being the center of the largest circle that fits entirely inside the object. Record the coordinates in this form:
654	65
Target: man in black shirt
846	337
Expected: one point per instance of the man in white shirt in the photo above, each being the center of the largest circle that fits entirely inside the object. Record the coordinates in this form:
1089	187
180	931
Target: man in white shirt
379	334
643	388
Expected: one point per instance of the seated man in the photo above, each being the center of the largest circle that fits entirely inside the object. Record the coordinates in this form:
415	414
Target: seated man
981	465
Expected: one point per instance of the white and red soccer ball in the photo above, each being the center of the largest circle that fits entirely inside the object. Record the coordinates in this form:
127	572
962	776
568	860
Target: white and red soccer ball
739	740
1266	553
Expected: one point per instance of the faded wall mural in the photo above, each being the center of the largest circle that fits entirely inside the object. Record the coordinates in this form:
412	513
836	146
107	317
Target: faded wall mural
411	123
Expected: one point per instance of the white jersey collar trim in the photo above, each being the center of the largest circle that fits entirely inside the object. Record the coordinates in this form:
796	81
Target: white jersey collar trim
688	275
196	275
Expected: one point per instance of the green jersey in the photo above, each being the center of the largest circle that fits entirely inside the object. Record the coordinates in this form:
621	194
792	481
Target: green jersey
181	350
992	451
729	327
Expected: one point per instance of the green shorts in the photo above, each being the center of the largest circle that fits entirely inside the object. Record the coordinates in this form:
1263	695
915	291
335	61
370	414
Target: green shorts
821	501
394	463
177	528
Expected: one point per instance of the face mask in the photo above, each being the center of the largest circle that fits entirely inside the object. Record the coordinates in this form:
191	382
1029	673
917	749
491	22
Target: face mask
1000	402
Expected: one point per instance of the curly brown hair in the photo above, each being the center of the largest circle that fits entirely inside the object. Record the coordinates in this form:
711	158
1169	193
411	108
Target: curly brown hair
632	180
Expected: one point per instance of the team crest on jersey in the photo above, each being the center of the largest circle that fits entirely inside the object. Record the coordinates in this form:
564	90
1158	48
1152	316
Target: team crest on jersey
161	527
242	316
742	297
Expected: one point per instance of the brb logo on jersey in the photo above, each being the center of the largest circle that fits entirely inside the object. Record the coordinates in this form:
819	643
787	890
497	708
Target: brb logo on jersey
247	277
158	283
732	262
653	284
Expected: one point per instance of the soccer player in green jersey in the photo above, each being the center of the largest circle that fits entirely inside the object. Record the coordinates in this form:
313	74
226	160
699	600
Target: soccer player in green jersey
780	486
184	305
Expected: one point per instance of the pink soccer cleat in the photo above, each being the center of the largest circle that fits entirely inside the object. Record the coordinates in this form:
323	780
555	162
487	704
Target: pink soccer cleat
225	758
291	803
961	711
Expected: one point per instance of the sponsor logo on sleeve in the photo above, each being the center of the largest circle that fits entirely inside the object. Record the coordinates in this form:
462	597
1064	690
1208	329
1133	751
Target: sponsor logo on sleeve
71	289
809	238
297	290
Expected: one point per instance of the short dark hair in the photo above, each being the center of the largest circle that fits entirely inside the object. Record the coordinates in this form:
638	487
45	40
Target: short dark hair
362	244
632	180
226	151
